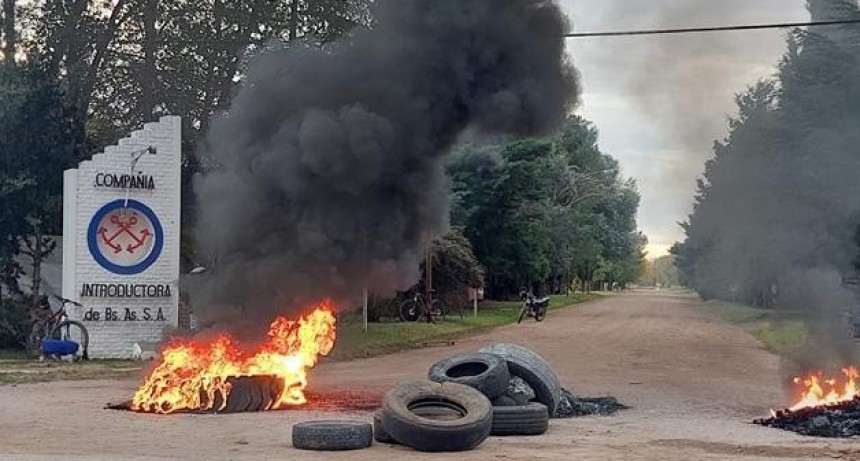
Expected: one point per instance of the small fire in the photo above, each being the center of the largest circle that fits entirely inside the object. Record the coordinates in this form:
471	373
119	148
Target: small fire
817	390
194	376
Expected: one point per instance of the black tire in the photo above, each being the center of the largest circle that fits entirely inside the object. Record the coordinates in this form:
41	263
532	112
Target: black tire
379	433
540	314
437	310
533	369
531	419
409	311
332	435
85	335
505	401
466	430
485	372
239	398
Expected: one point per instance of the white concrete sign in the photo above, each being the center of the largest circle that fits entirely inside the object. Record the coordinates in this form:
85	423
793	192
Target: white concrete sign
121	214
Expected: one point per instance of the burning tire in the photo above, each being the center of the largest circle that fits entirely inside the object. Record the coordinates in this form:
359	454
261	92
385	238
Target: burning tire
533	369
379	433
485	372
531	419
433	417
332	435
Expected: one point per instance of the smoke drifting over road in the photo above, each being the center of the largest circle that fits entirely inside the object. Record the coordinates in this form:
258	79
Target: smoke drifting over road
329	161
777	221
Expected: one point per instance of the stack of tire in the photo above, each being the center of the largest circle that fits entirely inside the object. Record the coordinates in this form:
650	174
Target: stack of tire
466	400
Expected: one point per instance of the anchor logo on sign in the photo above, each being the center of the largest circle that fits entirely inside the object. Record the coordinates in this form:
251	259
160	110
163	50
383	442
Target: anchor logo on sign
125	237
124	228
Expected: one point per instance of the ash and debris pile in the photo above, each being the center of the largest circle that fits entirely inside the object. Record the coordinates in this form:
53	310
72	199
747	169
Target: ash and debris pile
840	420
572	406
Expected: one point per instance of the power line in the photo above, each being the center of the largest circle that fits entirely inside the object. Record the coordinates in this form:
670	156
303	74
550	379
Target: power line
785	25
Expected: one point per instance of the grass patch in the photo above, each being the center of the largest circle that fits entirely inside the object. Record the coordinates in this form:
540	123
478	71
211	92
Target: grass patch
20	371
781	332
387	337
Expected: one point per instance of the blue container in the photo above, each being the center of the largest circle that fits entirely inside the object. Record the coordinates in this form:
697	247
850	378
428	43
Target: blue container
58	347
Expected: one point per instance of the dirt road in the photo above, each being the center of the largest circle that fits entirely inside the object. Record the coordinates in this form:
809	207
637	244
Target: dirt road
693	381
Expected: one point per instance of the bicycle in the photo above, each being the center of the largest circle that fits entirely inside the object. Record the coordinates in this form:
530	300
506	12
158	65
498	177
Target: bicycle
417	309
57	326
533	307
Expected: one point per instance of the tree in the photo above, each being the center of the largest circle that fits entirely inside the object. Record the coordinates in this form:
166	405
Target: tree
541	213
455	268
504	217
33	161
178	57
778	198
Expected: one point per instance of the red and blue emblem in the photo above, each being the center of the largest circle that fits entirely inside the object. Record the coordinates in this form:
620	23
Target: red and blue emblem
125	237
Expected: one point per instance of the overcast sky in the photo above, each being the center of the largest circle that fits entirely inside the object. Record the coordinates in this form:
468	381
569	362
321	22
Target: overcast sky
661	102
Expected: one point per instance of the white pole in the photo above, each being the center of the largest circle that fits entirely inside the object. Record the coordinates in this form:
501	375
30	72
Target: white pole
364	312
475	302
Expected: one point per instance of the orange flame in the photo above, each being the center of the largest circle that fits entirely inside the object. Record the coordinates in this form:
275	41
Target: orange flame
816	390
194	376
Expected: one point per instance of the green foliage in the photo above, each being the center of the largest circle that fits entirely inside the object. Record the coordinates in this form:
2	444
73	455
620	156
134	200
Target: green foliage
40	138
786	337
13	322
540	213
384	338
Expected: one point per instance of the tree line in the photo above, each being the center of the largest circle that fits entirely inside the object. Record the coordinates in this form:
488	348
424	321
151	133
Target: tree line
777	212
547	214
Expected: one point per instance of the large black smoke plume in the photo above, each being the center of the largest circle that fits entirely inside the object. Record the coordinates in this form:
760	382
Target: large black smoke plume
329	170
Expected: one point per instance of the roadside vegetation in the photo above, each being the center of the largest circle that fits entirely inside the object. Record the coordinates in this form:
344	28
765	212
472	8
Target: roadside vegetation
15	369
782	333
387	337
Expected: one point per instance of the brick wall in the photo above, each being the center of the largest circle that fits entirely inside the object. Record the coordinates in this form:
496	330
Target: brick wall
115	339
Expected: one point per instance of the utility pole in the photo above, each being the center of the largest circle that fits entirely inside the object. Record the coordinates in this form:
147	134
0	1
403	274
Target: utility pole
428	267
364	310
150	13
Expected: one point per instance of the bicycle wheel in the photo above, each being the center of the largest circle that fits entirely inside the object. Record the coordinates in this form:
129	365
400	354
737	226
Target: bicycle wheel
437	310
73	330
410	311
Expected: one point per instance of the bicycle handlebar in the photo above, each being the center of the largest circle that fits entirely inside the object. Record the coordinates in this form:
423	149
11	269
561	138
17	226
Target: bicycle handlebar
67	301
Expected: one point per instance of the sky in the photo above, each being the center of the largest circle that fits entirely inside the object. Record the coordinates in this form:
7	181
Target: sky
660	102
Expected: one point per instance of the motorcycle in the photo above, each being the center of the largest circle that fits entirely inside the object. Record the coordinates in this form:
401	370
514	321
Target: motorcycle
533	307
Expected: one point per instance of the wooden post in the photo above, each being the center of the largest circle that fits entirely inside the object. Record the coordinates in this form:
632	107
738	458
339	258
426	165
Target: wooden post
364	311
428	268
475	302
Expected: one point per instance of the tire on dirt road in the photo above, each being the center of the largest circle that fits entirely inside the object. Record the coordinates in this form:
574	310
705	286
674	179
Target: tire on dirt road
531	419
379	433
533	369
406	409
332	435
485	372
